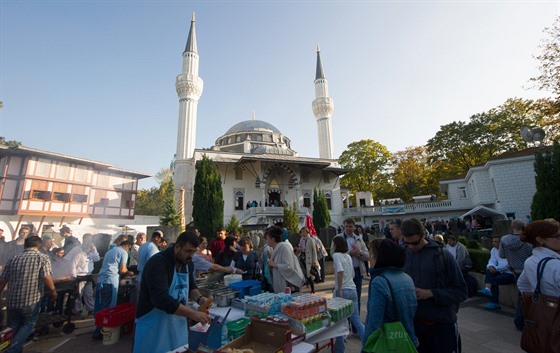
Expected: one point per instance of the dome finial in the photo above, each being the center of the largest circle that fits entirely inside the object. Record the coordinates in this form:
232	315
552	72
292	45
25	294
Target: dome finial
193	16
254	118
318	49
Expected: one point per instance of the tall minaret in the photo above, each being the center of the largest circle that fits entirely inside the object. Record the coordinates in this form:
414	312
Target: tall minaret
189	89
323	107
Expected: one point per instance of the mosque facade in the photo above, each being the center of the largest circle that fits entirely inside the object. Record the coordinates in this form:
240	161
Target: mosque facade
260	171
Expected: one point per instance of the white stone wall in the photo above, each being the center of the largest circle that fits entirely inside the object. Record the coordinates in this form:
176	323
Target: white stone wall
515	186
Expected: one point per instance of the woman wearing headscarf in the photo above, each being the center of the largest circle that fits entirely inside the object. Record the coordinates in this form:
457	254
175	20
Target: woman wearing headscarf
285	270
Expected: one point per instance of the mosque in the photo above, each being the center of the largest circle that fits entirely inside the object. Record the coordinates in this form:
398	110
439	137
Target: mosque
260	171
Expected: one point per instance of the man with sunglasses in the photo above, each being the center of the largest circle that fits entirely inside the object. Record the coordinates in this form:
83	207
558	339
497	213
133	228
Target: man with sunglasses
440	288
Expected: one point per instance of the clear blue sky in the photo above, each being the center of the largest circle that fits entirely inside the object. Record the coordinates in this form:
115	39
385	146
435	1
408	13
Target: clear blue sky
96	79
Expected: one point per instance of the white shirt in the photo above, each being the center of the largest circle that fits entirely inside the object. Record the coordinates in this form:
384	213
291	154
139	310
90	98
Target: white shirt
499	263
550	281
343	263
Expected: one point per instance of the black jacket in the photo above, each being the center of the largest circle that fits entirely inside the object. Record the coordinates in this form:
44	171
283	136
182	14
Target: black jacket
156	279
434	268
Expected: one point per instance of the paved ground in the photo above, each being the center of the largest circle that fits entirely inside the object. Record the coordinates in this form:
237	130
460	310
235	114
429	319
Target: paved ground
481	331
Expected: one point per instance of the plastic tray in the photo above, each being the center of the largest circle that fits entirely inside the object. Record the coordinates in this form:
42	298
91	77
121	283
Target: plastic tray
236	328
247	287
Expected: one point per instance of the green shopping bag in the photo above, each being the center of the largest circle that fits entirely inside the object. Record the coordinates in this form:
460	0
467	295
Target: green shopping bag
390	337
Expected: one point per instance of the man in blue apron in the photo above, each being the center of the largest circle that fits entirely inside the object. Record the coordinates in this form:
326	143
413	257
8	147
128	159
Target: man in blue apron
167	283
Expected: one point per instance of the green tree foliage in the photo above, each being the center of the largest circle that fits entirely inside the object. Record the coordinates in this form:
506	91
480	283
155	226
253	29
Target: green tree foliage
368	163
291	218
546	201
233	225
321	216
9	143
549	67
458	146
413	175
169	216
208	201
151	202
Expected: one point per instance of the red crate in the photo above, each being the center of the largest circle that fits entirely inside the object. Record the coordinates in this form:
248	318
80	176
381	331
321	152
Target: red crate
116	316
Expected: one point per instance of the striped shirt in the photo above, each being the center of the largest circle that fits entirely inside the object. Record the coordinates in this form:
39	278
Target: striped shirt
25	274
515	252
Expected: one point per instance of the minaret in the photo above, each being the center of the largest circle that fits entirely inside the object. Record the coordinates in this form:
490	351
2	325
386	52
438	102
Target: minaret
323	107
189	89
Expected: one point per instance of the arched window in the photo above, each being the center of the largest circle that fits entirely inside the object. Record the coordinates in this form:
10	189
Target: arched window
329	200
307	199
239	197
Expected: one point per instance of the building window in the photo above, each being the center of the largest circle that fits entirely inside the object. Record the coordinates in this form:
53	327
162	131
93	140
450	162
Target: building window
61	196
329	200
462	192
126	200
238	173
63	171
43	168
239	197
41	195
326	178
305	175
79	198
307	199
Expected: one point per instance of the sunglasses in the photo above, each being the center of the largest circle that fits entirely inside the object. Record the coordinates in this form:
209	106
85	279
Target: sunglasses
416	242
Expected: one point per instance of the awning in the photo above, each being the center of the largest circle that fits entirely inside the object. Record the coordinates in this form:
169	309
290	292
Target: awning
484	211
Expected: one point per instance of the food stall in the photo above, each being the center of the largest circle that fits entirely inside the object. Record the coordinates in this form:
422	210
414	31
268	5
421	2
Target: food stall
240	310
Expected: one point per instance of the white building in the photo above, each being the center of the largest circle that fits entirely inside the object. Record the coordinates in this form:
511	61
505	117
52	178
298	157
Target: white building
259	169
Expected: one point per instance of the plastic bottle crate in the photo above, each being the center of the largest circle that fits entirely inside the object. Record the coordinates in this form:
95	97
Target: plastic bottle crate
236	328
116	316
246	287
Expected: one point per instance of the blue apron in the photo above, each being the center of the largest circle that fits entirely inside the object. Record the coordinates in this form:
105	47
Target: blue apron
160	332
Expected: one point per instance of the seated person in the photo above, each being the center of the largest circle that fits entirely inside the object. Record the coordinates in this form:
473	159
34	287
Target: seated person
497	273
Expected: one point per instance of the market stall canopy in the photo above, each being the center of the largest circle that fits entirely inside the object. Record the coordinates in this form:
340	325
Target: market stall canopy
484	211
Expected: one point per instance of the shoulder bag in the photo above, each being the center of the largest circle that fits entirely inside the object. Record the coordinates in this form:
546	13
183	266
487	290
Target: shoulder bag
542	318
391	336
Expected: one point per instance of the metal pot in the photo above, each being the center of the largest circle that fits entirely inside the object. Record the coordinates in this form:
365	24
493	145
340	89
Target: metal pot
223	298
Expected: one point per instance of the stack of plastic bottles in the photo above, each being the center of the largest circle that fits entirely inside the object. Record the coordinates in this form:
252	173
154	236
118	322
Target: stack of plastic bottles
339	308
309	309
266	304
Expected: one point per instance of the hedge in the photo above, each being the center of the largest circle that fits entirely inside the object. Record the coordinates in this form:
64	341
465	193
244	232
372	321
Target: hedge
480	259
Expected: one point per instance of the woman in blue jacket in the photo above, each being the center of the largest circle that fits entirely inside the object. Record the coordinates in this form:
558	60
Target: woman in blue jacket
389	264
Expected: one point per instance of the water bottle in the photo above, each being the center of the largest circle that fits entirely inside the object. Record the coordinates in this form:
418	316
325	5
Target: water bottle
225	339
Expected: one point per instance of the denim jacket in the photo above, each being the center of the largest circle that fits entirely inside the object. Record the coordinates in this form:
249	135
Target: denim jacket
380	306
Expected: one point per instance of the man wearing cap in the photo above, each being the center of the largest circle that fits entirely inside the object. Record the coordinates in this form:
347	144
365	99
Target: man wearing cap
148	250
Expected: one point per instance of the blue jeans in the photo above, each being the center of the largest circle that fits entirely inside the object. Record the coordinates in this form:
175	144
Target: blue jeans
350	294
103	298
497	279
22	321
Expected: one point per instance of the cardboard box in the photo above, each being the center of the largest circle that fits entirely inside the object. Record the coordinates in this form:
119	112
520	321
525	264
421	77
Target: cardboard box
264	337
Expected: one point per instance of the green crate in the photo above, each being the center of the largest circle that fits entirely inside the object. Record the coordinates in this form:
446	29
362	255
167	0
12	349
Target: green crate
236	328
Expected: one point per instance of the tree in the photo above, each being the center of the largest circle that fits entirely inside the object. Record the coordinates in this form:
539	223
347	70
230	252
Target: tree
368	163
233	225
413	175
546	202
208	201
458	146
151	202
291	218
549	78
169	215
321	216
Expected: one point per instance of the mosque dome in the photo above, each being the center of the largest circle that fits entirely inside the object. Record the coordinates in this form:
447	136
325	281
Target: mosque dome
252	125
254	137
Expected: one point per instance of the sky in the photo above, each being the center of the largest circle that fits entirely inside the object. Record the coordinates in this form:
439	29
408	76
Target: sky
96	79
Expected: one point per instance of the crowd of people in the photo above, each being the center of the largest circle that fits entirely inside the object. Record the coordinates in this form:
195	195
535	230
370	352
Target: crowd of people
415	277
